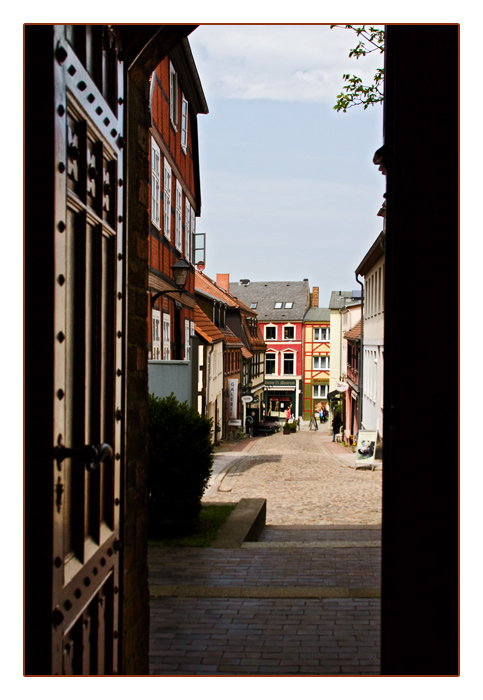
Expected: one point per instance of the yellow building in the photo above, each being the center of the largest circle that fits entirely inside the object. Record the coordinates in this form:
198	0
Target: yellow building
316	371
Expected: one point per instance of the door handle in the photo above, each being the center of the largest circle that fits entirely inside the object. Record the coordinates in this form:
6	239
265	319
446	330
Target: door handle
93	455
103	453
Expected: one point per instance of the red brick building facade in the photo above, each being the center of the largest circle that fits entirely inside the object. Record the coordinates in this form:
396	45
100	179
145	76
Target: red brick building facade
176	97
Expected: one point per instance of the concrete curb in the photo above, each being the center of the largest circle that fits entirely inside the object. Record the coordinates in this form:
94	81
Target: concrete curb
244	524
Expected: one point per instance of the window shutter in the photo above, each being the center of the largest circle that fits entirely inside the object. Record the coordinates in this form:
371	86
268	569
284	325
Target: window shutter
178	215
155	182
187	229
184	122
167	200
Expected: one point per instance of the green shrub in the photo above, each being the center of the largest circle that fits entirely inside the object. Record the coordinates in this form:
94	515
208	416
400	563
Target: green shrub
180	464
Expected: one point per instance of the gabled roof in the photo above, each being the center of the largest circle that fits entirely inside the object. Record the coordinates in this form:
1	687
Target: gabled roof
206	328
315	314
354	333
373	255
205	285
340	299
267	294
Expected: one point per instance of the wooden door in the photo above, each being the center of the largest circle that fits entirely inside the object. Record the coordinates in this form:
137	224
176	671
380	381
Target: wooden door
88	355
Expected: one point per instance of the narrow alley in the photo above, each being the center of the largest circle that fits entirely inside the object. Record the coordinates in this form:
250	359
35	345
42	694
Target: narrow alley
302	600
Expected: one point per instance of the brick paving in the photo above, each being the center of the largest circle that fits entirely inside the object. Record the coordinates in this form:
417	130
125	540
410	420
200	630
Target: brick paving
304	599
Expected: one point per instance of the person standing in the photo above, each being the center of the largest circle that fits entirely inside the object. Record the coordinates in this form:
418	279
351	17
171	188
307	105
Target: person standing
336	423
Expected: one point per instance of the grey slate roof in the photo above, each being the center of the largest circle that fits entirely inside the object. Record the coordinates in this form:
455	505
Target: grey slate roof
340	299
314	315
266	294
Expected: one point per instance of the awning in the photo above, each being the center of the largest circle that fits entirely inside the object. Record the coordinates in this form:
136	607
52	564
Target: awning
332	394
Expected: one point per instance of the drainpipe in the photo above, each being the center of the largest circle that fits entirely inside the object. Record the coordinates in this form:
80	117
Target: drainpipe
208	385
361	358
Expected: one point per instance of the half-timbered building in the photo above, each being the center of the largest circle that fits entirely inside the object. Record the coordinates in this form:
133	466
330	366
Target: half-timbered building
316	350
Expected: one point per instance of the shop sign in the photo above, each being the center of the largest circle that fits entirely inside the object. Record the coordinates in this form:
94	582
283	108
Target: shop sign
281	382
232	399
341	386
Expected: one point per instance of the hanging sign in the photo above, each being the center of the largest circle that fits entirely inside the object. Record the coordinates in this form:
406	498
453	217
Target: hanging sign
341	386
232	399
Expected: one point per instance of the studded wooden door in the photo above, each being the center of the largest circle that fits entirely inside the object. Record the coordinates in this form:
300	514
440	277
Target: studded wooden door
88	356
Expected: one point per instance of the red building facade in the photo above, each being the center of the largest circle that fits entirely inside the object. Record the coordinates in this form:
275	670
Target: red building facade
176	97
281	307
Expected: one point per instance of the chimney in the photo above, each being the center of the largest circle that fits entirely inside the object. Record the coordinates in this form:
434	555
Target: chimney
314	297
223	281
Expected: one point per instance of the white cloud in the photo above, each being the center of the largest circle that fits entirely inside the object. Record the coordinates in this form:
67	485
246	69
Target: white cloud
278	62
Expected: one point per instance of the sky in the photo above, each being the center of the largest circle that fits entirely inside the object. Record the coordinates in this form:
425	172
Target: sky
288	187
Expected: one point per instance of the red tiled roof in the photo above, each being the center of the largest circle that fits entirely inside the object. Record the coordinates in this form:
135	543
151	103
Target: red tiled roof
231	340
205	284
206	328
354	333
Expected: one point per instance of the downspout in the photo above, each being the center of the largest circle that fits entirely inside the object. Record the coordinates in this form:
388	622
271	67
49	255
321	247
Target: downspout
208	384
361	358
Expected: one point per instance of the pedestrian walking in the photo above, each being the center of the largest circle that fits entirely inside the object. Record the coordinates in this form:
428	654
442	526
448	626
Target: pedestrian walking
321	416
336	423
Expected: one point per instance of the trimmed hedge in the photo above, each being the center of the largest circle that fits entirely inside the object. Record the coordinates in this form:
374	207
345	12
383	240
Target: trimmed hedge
180	464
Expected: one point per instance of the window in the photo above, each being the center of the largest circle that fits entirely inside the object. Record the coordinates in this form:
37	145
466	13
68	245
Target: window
277	305
289	333
322	334
288	305
167	200
173	96
320	391
178	215
270	332
254	304
288	363
192	231
184	123
187	339
156	345
155	182
199	245
270	363
187	229
166	337
321	362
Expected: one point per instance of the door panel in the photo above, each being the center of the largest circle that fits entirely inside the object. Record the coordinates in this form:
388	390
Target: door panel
88	356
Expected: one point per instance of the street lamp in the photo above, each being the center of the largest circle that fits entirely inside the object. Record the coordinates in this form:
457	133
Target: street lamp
180	271
180	274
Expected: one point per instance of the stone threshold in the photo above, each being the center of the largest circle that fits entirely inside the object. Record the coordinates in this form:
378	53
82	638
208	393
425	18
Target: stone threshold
298	592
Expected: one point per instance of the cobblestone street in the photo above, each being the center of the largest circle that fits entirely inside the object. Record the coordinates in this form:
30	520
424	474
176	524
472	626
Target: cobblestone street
304	598
304	482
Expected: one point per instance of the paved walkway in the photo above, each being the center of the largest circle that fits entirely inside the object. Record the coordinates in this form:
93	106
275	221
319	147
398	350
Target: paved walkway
304	599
